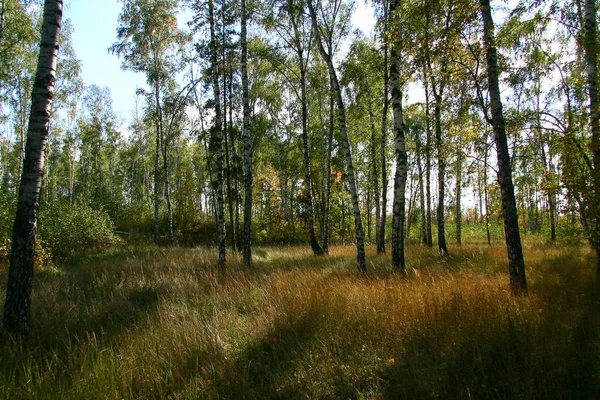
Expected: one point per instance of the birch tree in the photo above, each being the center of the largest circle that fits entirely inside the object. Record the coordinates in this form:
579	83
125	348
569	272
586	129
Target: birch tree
398	218
350	175
516	263
148	36
247	140
20	275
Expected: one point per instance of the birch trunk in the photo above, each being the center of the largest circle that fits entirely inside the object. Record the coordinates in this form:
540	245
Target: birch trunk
428	141
437	111
350	175
316	248
384	117
247	139
516	264
217	136
20	275
398	217
419	149
327	174
459	164
156	190
375	177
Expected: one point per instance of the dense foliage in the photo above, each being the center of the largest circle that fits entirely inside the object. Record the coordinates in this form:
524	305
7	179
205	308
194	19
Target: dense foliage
156	170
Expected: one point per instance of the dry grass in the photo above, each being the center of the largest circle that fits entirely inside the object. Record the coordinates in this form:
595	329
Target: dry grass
159	323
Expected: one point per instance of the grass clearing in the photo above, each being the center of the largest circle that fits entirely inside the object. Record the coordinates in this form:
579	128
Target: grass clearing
160	323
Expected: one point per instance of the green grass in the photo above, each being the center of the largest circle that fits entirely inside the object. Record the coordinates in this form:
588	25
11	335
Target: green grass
160	323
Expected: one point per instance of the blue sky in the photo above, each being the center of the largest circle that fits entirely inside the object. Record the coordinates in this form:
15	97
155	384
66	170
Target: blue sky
95	24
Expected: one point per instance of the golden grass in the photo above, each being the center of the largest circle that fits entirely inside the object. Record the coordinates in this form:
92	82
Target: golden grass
160	323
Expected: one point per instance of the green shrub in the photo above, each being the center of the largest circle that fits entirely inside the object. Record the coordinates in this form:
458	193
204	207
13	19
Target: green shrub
67	230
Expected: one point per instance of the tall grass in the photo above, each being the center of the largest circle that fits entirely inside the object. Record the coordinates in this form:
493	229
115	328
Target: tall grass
160	323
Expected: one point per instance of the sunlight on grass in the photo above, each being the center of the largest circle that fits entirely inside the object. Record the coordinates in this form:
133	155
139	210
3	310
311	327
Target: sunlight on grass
161	323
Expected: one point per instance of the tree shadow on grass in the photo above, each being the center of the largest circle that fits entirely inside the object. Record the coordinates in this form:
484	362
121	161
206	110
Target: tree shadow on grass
265	368
72	320
554	355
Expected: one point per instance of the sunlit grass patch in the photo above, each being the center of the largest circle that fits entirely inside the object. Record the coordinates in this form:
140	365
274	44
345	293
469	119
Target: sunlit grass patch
162	323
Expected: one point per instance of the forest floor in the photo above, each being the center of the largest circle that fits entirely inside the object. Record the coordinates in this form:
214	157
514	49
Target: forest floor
159	323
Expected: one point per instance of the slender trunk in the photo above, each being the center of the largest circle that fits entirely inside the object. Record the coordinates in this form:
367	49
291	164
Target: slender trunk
411	204
228	169
375	177
552	197
459	193
227	163
316	248
165	154
217	138
327	174
247	139
398	262
156	176
384	118
428	158
419	149
20	275
516	264
302	65
441	176
236	181
485	190
350	175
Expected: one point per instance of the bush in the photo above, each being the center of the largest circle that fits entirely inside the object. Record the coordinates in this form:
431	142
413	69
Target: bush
67	230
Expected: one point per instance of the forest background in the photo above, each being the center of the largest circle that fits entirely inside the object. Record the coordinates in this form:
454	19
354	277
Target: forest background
276	123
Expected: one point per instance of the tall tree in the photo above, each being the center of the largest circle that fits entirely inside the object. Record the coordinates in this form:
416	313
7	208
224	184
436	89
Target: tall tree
380	238
247	140
20	275
290	14
398	218
350	175
217	136
516	263
148	35
590	26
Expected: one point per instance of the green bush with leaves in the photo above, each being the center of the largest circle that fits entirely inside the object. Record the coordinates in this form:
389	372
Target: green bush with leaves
67	230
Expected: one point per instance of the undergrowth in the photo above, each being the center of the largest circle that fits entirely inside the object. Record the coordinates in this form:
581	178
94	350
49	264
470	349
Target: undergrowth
160	323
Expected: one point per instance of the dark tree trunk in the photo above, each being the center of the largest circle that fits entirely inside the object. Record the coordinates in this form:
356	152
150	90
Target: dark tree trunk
156	179
384	118
375	177
247	140
350	175
165	144
419	149
459	165
443	248
327	174
485	190
314	244
228	167
428	146
217	140
516	264
20	275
